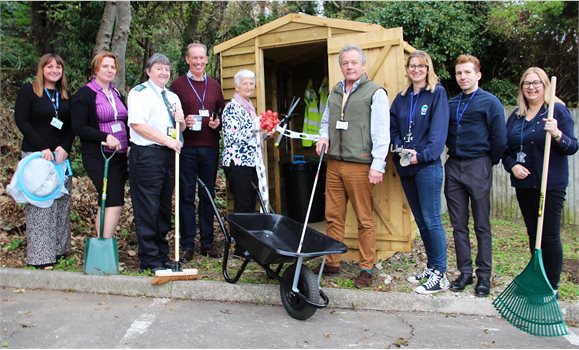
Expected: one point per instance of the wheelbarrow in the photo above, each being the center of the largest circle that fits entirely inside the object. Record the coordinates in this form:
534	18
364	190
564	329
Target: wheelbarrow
273	239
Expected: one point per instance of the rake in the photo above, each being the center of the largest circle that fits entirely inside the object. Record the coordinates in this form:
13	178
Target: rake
529	303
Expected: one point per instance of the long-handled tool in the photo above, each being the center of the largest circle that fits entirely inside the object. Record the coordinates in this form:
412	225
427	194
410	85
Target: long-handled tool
529	303
101	255
175	273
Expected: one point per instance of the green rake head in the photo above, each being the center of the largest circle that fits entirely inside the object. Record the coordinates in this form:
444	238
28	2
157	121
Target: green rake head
529	303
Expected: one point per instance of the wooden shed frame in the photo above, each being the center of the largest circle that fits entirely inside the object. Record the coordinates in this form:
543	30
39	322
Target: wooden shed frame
296	37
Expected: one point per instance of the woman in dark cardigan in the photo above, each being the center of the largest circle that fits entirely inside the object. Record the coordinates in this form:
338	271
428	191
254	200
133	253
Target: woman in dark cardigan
99	115
42	114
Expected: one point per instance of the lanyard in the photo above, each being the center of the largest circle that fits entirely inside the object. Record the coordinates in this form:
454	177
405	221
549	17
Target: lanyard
112	102
344	104
55	102
165	101
459	118
522	128
202	100
412	108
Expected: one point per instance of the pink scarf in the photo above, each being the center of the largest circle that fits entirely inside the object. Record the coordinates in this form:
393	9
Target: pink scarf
246	104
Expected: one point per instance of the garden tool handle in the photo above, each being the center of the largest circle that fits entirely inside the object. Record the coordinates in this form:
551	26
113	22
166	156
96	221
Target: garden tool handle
545	173
105	187
177	206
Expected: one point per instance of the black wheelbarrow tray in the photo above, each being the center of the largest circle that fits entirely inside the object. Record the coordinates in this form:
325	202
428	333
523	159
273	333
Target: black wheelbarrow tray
273	239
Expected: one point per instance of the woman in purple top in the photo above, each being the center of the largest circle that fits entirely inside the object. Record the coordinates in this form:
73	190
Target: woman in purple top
99	115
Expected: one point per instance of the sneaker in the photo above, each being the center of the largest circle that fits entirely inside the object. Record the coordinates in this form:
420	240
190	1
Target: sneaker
415	279
437	282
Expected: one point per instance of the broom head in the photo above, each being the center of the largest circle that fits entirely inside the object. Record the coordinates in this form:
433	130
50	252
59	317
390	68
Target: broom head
529	303
169	275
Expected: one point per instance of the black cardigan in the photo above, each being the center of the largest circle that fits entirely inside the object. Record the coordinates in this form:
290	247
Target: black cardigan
85	121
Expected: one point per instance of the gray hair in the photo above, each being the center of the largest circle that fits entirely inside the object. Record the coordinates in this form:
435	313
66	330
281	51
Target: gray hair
196	45
157	58
350	47
243	74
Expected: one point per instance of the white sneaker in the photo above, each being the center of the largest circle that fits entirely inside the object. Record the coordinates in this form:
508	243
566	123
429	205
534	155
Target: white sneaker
415	279
437	282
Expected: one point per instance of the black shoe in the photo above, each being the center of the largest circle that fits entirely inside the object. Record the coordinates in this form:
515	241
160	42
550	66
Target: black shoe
151	269
462	281
172	265
328	270
483	287
187	255
210	251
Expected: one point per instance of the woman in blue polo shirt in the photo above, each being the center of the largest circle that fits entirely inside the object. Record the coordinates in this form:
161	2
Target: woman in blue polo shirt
418	128
526	130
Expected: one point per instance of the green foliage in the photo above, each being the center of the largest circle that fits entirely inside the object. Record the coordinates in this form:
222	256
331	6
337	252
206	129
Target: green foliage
67	264
505	90
13	244
443	29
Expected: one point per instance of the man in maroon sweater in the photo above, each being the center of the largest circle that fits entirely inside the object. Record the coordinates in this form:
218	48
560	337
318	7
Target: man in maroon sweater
202	102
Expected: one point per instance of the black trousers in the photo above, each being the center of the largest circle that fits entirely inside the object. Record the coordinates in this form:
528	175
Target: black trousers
551	245
470	180
152	179
244	195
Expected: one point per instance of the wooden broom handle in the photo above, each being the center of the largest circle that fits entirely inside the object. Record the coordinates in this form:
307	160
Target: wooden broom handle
545	173
177	178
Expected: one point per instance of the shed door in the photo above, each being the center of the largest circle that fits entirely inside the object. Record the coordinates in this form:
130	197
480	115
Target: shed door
384	65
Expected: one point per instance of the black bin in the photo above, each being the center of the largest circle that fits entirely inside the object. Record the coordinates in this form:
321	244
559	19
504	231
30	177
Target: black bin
299	178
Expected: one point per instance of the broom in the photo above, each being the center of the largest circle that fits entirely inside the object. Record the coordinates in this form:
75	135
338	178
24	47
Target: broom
175	273
529	303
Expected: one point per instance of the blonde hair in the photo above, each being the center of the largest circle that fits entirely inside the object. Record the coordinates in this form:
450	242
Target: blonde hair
521	101
431	77
38	83
98	59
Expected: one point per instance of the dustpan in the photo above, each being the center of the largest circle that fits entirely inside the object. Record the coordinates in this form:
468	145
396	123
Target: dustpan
101	256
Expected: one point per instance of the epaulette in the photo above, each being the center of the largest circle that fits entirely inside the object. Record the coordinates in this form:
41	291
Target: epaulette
140	88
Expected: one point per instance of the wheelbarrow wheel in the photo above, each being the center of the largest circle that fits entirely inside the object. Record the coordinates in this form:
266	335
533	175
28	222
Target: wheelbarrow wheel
295	306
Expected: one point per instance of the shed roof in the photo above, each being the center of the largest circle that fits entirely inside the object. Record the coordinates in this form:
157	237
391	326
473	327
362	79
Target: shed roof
298	18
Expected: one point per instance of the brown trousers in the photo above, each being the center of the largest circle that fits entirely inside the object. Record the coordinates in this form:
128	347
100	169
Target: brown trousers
347	181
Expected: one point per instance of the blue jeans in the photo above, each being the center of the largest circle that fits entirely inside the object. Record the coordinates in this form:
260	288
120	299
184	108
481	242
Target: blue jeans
194	162
423	192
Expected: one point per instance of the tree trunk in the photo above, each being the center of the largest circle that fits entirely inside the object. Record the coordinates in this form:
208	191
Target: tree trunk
113	35
43	29
119	45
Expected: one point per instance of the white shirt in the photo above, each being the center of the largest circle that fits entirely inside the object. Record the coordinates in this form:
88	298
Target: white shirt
146	106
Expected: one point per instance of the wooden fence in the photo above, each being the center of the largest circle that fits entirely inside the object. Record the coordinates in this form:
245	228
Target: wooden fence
503	199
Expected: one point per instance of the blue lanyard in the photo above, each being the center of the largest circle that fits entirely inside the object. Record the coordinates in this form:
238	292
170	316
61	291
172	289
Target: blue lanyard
412	107
55	102
459	118
202	100
522	128
165	101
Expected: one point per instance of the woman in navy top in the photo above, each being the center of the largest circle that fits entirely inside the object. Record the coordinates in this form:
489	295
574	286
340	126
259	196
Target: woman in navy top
418	127
99	115
527	128
42	115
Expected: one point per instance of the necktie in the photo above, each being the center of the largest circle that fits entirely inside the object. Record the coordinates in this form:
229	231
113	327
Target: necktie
168	105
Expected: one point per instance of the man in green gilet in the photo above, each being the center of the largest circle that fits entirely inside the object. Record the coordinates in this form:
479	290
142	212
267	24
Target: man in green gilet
355	129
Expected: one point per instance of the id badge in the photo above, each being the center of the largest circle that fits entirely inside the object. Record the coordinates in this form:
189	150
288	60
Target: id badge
521	157
116	127
172	132
57	123
341	125
204	113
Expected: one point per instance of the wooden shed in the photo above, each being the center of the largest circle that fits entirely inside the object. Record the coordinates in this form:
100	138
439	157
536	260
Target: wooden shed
285	54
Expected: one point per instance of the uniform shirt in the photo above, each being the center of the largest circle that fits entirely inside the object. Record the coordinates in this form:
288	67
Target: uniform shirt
379	126
531	136
481	130
429	125
146	106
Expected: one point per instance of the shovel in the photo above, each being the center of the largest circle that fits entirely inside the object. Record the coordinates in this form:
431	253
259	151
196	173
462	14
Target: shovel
101	255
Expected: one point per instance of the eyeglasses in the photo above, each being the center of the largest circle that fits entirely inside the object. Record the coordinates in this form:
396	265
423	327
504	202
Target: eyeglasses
417	66
536	84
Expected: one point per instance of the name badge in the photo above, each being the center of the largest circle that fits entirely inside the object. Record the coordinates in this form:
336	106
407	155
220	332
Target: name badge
521	157
172	132
116	127
423	110
204	113
57	123
342	125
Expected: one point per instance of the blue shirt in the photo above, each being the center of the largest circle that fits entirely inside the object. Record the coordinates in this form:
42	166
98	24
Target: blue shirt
481	131
430	125
533	142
